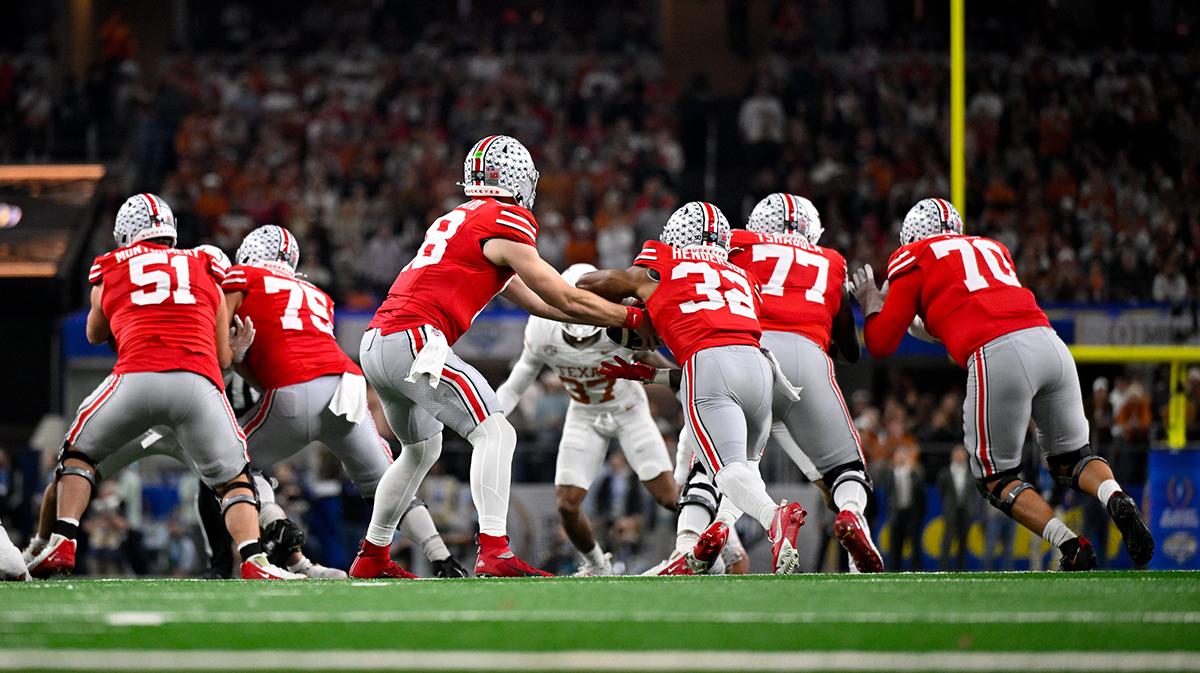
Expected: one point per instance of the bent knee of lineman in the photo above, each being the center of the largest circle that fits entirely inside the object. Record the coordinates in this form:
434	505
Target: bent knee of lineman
992	488
240	489
72	461
1066	467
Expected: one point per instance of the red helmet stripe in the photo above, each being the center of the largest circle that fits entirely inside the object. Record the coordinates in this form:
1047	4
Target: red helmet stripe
789	208
283	246
483	148
710	218
945	212
150	202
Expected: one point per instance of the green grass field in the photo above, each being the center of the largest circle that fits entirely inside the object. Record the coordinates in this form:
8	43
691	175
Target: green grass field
1025	621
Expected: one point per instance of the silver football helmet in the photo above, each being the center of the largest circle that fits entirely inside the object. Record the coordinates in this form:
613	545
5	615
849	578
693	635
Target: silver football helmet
572	275
500	166
270	244
930	217
786	214
697	223
143	217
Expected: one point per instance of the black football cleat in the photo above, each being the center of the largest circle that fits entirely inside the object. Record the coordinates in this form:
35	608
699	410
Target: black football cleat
1138	540
448	568
1077	554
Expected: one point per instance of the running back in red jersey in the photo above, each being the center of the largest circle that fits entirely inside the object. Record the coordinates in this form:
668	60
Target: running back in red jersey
162	305
701	301
966	290
293	323
800	283
450	280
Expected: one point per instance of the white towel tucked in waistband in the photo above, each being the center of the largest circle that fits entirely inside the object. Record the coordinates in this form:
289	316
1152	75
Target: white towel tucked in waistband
781	383
350	398
432	357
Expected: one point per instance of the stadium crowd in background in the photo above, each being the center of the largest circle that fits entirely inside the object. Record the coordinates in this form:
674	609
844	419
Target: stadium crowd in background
350	133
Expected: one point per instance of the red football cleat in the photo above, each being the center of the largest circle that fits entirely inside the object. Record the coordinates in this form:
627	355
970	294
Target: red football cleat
257	567
497	560
58	558
706	550
784	529
852	533
374	562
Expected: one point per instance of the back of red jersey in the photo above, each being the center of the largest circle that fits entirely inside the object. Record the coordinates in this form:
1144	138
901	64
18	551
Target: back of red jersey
970	293
701	301
162	306
293	327
450	281
800	283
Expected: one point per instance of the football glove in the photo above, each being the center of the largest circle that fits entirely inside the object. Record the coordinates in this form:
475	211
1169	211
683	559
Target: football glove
869	296
241	335
634	371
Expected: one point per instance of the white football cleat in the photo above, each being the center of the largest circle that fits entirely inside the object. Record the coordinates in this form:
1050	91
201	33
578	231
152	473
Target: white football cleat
257	567
316	571
589	569
36	546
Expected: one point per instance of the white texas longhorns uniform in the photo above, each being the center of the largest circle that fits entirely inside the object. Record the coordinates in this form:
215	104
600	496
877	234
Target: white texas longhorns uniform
601	408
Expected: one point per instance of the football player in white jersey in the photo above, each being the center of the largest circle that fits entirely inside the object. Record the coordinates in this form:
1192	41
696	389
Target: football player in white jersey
601	409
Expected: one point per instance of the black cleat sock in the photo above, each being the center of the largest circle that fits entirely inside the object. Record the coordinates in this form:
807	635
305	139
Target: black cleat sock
249	549
66	528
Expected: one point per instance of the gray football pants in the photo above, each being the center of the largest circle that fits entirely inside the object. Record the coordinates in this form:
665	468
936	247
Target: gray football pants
125	406
418	411
819	423
727	394
289	418
1024	374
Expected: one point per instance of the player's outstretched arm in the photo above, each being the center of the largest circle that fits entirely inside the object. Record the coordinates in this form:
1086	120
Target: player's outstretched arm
519	293
523	374
98	329
578	306
616	285
887	321
845	332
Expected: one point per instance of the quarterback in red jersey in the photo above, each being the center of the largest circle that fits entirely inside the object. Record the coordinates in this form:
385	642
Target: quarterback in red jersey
706	310
963	291
485	247
311	390
164	311
804	308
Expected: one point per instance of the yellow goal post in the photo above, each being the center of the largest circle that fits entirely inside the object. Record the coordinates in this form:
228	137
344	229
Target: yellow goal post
1179	358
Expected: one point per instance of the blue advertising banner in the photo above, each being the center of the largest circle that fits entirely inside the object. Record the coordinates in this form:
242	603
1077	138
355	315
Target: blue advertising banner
1174	511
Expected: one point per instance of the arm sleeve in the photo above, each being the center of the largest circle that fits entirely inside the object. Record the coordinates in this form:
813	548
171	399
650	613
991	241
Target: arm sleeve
523	374
883	331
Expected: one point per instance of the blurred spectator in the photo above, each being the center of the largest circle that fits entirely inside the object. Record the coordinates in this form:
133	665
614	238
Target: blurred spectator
106	528
620	505
957	488
904	484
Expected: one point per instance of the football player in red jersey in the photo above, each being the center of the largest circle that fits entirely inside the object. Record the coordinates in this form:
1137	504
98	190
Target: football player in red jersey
485	247
707	312
312	390
963	291
805	308
164	311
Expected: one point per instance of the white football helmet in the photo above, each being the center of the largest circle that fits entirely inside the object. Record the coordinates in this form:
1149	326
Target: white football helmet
143	217
786	214
270	245
572	275
217	254
500	166
697	223
930	217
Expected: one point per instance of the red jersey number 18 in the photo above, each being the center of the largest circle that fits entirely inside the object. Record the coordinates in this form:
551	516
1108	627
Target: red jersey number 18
436	238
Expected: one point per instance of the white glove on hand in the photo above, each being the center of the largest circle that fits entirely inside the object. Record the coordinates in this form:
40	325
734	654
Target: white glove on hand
917	329
862	286
241	335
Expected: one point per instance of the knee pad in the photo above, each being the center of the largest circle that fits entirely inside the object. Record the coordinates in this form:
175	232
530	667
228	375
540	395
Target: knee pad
67	453
263	487
228	501
413	504
494	428
1003	479
426	451
854	471
700	491
1067	467
280	540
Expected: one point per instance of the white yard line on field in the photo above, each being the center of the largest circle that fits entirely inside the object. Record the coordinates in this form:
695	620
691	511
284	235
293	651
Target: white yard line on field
227	660
57	614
